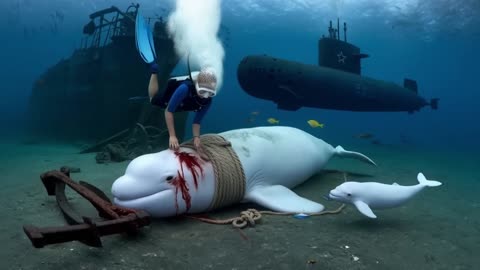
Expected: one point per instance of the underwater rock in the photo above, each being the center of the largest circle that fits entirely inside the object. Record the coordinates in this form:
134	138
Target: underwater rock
70	169
102	157
112	153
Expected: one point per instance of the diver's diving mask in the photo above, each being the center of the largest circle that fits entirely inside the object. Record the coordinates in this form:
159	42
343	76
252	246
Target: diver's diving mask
206	83
205	92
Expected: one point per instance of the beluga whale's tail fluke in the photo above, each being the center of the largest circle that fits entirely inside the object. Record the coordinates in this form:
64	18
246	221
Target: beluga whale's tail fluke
424	181
339	151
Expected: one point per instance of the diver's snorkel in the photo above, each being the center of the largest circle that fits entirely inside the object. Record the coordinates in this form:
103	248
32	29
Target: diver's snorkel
188	66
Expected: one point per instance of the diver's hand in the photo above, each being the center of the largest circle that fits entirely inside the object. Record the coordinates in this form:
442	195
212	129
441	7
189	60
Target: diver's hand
153	68
197	142
198	146
173	143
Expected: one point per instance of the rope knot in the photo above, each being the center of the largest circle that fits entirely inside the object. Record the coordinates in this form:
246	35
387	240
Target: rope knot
248	217
229	175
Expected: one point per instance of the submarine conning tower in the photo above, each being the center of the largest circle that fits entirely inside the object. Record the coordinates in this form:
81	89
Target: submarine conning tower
339	54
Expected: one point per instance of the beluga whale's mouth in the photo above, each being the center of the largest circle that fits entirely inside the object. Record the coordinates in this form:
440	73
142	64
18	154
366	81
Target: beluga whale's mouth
141	201
133	197
333	195
127	188
159	204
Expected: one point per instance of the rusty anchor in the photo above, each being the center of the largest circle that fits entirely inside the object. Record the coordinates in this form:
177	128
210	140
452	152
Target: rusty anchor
84	229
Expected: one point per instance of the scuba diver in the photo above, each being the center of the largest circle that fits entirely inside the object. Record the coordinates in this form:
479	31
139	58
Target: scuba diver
184	93
193	92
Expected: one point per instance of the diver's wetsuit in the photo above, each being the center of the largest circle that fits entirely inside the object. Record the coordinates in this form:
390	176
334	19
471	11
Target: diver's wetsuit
184	98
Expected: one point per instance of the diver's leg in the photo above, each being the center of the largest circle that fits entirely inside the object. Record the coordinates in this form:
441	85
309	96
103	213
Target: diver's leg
153	85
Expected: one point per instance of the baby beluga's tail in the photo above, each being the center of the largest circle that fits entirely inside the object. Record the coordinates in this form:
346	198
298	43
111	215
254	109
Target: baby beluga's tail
350	154
429	183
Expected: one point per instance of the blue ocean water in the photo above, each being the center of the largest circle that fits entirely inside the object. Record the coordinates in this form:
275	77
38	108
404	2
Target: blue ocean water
433	42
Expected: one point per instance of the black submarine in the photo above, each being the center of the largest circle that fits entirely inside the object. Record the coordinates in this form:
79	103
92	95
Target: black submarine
336	83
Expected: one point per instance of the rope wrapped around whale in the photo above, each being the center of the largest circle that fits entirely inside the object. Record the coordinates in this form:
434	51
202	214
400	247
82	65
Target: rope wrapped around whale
230	182
230	179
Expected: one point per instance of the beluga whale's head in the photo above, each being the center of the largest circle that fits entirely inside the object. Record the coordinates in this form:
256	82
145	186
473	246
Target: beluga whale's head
346	192
163	184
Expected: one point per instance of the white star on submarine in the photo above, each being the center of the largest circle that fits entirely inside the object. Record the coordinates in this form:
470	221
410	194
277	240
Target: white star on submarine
341	57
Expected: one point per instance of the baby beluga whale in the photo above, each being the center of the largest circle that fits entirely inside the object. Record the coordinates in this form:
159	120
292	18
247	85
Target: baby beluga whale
372	195
274	160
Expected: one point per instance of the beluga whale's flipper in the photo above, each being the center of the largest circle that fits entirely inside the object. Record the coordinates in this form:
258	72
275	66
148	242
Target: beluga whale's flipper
282	199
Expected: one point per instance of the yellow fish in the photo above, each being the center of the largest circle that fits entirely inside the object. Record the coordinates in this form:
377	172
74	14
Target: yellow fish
251	119
314	124
364	136
273	121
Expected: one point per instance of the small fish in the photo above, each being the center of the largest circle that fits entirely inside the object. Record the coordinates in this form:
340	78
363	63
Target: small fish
301	216
255	113
376	141
273	121
138	98
315	124
251	119
364	136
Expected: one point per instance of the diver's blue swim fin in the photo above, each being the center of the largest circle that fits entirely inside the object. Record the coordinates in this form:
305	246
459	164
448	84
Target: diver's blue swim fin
152	44
144	40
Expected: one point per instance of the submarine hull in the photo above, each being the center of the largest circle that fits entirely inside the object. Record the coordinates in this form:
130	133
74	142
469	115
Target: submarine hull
292	85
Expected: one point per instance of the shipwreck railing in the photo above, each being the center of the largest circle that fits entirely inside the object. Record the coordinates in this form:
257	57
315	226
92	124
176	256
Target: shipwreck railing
106	23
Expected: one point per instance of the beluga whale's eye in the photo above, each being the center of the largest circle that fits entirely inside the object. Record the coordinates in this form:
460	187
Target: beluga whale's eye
169	178
349	194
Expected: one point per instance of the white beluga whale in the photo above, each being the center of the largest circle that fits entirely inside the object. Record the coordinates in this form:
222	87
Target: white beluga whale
274	160
371	195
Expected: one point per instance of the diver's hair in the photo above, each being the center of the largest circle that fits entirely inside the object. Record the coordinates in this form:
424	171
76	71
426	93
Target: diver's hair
207	78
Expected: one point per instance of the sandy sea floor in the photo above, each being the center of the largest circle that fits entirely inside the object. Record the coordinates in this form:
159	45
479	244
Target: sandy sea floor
439	229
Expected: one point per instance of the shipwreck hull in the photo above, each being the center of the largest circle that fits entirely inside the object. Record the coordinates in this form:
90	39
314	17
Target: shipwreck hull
88	96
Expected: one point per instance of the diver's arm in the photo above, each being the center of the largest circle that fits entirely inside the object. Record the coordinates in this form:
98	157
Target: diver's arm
177	98
153	86
198	119
170	123
196	130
